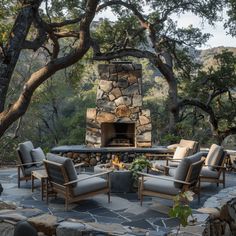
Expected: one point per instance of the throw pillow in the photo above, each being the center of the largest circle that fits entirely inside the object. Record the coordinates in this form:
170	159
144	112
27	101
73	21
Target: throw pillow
37	156
181	152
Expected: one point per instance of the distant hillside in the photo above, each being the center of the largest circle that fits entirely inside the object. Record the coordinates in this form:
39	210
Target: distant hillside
206	56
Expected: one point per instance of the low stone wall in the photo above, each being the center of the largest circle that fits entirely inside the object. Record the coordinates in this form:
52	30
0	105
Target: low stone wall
93	159
222	210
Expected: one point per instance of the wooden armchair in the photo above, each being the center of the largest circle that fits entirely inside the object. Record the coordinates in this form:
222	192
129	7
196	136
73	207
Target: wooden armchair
183	149
29	159
179	154
186	178
63	180
214	170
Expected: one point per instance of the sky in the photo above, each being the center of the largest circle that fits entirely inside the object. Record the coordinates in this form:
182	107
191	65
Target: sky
219	36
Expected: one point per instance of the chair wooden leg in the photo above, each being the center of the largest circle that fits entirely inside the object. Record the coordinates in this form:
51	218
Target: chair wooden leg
140	191
67	199
46	190
66	205
139	186
141	199
223	179
18	175
32	183
199	192
109	196
109	187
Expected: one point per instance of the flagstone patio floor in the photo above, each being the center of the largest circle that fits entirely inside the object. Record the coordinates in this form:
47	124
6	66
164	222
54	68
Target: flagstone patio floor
124	208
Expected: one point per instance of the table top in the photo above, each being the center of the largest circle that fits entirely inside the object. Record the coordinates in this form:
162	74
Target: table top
85	149
39	174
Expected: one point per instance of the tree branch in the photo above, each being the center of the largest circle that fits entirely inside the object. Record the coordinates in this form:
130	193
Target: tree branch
202	106
126	52
38	41
66	22
129	6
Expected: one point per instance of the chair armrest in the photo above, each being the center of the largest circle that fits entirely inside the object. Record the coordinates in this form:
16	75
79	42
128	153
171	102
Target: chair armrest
168	167
175	160
89	177
219	167
29	163
79	164
164	178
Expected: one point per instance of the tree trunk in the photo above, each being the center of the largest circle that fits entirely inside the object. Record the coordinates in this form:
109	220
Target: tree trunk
173	106
16	110
17	37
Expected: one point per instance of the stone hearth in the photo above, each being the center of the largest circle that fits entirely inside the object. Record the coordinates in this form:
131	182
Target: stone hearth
118	119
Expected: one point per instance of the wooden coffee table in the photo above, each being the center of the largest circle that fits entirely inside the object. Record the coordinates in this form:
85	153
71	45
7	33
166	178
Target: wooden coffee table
43	177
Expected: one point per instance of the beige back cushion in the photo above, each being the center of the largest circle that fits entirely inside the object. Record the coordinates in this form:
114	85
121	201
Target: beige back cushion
192	145
214	155
181	152
187	143
173	146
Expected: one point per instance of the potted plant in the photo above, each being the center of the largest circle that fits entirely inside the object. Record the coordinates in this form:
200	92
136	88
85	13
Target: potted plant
139	164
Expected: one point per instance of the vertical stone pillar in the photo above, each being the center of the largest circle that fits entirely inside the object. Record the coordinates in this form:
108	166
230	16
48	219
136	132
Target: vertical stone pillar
119	100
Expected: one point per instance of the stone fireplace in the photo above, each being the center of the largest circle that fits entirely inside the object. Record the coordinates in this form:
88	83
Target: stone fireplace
118	119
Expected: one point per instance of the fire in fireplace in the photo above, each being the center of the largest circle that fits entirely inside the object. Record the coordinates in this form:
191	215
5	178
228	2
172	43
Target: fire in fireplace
118	134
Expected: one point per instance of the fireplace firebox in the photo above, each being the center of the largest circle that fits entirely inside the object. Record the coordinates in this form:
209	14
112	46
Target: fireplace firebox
118	134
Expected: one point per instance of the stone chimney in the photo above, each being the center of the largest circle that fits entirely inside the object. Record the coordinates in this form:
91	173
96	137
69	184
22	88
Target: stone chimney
118	119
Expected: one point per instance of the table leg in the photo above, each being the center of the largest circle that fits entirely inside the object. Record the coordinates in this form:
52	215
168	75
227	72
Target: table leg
46	190
32	183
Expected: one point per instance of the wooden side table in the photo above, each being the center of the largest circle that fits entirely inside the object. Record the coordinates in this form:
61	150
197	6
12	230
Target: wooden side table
43	177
